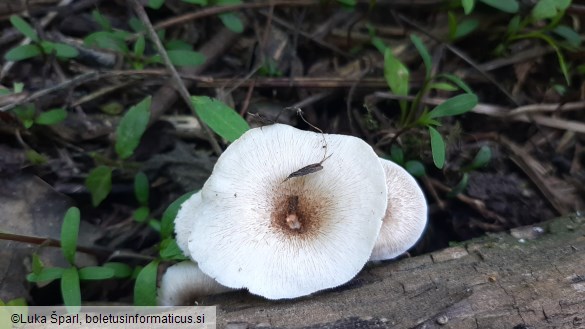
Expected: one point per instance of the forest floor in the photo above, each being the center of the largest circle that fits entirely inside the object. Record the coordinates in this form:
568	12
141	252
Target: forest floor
516	158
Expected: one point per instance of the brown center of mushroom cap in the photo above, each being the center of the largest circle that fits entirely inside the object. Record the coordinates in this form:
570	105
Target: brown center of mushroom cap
299	212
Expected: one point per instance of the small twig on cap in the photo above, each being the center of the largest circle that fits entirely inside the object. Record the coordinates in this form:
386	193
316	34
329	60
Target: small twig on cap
314	167
308	169
175	75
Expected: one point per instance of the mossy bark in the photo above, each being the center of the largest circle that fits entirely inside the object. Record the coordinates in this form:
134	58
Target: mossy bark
494	282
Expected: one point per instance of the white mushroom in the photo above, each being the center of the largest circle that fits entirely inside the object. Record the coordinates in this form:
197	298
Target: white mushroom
184	224
285	238
406	215
184	283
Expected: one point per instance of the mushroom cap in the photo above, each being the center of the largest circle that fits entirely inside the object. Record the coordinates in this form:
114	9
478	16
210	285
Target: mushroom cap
183	283
184	222
288	238
406	214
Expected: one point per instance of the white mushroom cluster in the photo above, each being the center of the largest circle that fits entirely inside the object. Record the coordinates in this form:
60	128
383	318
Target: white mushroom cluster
286	213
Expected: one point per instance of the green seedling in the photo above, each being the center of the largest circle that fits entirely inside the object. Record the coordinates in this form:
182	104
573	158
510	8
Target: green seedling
71	276
414	114
38	46
116	40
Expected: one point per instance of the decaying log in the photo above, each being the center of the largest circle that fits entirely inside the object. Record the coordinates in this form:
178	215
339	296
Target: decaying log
500	281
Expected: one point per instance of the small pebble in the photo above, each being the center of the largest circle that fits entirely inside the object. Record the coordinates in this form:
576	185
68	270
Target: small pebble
442	320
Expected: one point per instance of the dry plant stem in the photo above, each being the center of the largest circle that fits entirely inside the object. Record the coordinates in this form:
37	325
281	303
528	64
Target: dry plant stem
164	98
96	251
523	113
11	101
246	102
296	29
476	204
429	185
175	76
212	11
300	82
535	172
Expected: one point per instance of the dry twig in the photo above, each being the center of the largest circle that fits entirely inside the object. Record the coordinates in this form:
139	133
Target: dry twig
175	75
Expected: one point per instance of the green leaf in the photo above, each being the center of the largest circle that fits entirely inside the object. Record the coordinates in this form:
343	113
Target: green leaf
514	25
37	264
18	87
96	273
24	27
460	187
46	275
145	285
452	23
25	112
424	54
168	217
185	58
572	37
70	289
169	250
35	158
51	117
59	49
437	147
222	119
155	4
178	44
396	154
22	52
69	233
456	80
465	27
443	86
454	106
482	158
232	22
396	74
17	302
154	224
507	6
139	46
131	128
107	40
141	214
415	168
101	20
141	188
349	3
379	44
121	270
562	5
544	9
99	184
467	6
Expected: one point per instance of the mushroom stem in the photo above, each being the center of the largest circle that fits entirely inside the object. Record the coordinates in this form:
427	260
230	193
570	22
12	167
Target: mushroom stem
292	219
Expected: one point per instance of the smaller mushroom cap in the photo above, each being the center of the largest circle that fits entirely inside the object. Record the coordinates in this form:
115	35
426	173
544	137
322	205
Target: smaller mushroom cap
406	214
184	222
183	283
